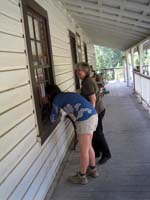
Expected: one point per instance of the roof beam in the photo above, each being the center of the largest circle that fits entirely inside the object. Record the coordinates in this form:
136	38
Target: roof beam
144	15
106	16
109	9
107	29
110	26
129	5
142	30
99	32
110	41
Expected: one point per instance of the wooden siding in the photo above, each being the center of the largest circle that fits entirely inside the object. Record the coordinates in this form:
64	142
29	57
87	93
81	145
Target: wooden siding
27	168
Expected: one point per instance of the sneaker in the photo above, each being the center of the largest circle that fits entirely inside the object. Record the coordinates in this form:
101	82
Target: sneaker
78	179
92	172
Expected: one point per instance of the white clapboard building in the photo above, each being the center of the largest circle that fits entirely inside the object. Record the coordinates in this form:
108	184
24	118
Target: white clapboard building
38	44
41	41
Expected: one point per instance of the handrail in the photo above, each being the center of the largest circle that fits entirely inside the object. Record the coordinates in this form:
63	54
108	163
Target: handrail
142	87
143	75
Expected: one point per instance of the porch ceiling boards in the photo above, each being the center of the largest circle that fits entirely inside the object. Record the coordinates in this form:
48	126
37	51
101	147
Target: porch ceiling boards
112	23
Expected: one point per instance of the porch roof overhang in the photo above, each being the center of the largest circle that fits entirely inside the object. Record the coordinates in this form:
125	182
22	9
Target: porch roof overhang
112	23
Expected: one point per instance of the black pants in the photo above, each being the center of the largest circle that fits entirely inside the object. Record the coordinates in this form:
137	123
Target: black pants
99	142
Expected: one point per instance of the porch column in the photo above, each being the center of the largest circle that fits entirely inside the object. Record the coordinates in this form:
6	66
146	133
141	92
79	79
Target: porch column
132	62
127	68
140	50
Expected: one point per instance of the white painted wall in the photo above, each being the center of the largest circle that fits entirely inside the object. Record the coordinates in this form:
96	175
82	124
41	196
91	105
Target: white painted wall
27	169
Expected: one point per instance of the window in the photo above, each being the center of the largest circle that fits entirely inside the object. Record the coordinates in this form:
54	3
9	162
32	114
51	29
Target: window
79	48
74	56
40	61
85	52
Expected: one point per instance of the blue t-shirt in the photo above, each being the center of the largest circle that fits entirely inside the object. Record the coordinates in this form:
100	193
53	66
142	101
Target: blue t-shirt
72	103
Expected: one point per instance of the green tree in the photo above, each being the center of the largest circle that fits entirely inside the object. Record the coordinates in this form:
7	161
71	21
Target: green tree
108	58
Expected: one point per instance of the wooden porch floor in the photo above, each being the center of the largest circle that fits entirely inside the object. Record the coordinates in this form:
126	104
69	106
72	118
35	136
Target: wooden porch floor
127	175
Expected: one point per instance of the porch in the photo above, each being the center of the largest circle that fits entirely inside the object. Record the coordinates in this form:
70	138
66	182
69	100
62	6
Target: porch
126	176
41	41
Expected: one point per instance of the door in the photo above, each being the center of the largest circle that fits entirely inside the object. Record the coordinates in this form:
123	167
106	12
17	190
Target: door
74	56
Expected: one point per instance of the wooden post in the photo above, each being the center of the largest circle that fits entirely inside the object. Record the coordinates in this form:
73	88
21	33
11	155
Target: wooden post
132	62
127	69
140	51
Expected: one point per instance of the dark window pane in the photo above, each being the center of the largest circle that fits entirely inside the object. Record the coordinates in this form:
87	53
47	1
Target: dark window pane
34	54
41	77
40	56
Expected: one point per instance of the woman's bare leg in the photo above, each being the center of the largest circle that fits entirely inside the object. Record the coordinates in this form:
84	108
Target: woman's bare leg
92	161
85	143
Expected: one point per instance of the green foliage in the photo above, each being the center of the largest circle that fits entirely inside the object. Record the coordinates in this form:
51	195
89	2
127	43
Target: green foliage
136	58
146	57
108	58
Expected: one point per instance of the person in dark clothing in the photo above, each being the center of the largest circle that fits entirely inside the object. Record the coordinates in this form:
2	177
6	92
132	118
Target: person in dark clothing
90	91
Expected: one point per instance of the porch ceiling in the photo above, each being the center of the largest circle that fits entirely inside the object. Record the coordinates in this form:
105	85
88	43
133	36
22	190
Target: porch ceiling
112	23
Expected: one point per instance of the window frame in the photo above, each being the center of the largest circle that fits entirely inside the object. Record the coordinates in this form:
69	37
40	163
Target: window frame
85	52
74	57
32	5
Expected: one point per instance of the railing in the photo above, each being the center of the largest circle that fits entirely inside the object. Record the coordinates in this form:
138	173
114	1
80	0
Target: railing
112	73
142	87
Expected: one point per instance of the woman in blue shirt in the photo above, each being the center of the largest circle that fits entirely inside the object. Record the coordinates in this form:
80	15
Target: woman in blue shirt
86	123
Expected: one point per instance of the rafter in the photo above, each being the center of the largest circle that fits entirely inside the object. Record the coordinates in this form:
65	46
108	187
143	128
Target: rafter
129	5
116	23
108	29
144	14
104	31
143	30
105	16
109	9
110	26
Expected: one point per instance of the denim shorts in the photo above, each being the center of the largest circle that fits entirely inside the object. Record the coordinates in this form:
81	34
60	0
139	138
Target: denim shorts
87	126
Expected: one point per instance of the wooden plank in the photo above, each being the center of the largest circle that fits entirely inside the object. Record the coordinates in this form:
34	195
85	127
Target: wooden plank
66	85
45	168
9	100
17	154
10	9
64	47
16	2
11	43
64	77
10	61
61	52
60	30
59	42
13	137
11	182
71	89
10	119
31	160
52	171
14	27
12	79
61	60
63	69
59	35
40	174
